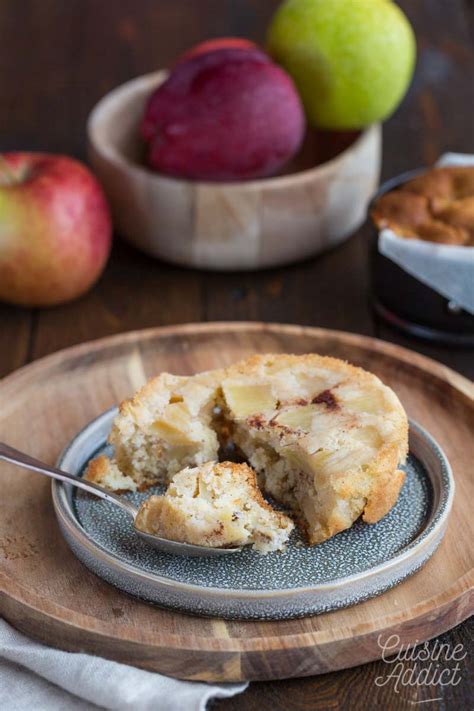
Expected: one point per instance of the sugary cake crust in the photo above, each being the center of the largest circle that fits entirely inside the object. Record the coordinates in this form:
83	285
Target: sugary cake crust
437	206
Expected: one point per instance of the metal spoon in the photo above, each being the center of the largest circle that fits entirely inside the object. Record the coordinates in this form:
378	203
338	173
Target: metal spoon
20	459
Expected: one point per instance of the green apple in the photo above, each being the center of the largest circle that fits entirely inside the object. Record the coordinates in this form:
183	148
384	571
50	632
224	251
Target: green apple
352	60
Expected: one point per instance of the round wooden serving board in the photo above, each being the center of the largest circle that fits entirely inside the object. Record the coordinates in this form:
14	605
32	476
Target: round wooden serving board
48	594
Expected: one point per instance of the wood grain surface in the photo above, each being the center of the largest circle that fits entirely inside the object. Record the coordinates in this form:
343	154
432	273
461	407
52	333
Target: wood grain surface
59	58
49	594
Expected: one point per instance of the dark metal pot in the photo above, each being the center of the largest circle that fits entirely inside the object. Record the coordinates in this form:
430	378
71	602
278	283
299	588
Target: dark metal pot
408	304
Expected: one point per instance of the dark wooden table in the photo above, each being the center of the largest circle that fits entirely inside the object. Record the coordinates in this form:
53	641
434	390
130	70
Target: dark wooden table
58	58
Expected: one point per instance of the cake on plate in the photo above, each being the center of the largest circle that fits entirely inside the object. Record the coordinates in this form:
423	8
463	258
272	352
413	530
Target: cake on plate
325	438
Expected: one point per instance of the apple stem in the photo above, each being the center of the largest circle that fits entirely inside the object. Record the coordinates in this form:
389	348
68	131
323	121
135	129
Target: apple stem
6	172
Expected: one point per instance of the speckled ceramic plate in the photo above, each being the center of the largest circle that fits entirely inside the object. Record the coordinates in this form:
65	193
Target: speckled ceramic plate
354	565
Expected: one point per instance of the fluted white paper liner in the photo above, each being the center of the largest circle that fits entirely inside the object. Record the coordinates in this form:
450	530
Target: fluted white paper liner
448	270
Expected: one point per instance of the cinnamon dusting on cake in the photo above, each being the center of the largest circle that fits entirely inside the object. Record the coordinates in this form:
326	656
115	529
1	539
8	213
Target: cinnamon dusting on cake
327	398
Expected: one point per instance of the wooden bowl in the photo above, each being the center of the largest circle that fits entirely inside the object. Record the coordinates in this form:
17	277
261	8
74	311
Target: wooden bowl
234	225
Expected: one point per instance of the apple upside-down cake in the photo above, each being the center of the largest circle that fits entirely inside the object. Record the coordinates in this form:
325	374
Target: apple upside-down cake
325	438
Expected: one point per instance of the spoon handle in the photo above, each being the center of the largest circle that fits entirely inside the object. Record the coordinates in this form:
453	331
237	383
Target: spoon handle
20	459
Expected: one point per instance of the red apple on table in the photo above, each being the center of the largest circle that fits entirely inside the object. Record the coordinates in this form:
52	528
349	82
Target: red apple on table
55	229
228	114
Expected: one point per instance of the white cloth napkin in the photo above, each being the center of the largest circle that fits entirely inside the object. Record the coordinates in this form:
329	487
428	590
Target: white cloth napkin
33	676
447	269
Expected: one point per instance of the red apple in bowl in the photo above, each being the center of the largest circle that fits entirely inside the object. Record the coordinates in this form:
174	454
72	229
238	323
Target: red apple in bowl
215	44
227	114
55	229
